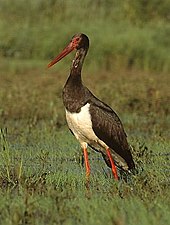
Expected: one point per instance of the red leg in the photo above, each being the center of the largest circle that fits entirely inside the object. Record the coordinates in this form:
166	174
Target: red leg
114	170
86	163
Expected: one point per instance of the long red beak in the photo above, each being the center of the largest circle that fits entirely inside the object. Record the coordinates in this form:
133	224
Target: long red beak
65	52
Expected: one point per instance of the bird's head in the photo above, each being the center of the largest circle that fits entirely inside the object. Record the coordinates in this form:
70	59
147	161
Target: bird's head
77	42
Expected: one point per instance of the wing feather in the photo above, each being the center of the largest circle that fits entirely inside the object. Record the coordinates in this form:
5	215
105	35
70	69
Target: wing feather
108	127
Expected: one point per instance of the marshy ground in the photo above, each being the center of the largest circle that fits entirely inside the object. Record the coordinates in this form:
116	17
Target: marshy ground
42	178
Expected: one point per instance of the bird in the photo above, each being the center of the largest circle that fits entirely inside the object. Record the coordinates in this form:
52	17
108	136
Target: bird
93	122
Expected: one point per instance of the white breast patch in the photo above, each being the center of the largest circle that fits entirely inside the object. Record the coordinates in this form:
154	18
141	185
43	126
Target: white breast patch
81	125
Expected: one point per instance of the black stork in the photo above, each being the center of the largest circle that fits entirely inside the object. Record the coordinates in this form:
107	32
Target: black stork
92	121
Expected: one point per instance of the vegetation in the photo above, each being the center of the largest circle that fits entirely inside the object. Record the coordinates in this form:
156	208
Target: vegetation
122	33
42	179
42	176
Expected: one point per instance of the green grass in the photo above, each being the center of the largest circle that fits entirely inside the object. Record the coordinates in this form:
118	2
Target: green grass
50	185
42	176
122	33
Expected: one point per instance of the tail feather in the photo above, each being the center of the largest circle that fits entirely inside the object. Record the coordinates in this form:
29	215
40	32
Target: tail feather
120	162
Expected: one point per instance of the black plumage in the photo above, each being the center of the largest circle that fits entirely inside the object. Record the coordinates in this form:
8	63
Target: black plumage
106	124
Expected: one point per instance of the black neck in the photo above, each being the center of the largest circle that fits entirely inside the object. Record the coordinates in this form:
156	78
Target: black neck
78	62
73	92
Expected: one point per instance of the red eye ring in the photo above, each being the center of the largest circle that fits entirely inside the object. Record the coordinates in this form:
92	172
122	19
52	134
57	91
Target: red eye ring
75	41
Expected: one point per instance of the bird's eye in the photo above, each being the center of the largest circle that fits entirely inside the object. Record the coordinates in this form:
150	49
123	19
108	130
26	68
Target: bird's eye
76	41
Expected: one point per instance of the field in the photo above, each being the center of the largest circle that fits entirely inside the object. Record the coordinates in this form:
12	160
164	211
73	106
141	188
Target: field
42	174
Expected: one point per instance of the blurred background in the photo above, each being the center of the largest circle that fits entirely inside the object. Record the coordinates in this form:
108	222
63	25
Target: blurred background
124	33
127	64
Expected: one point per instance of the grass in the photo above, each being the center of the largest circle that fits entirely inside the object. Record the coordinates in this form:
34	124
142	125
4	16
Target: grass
42	175
42	178
51	186
122	34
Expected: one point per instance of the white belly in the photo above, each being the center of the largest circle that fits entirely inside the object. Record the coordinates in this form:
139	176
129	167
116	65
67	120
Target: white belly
81	125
